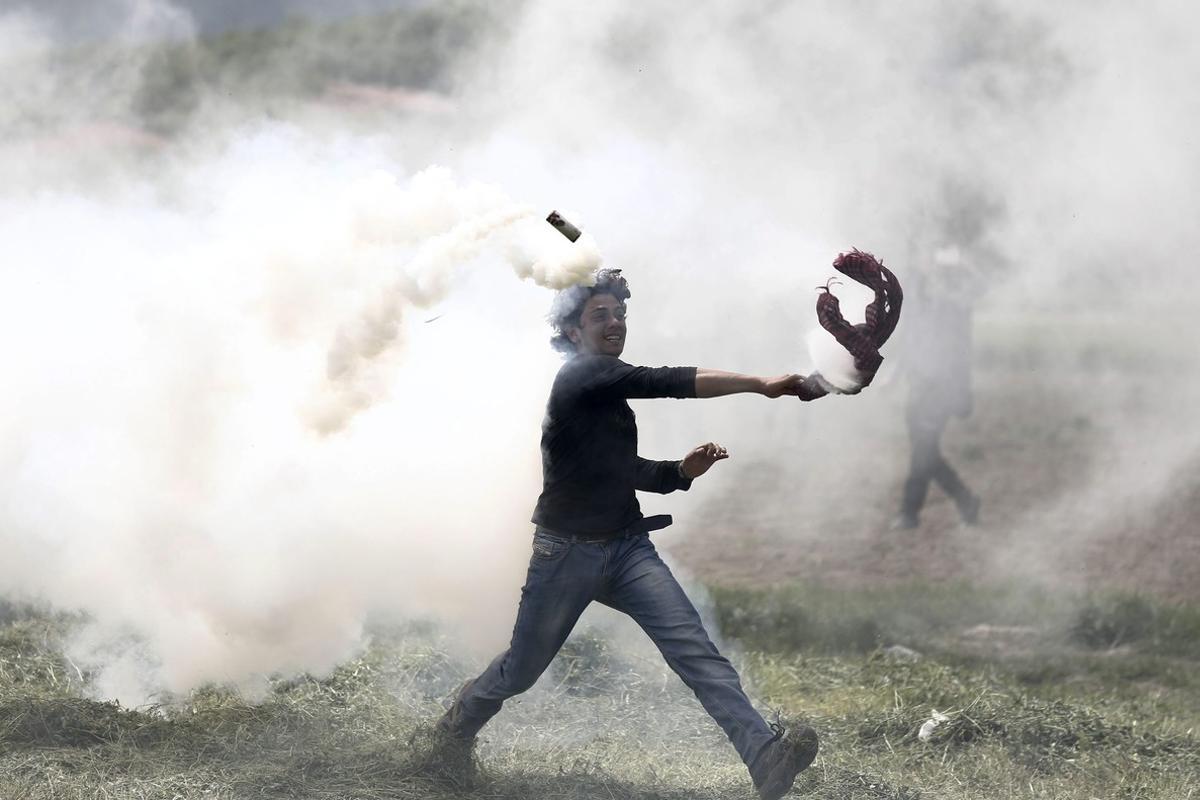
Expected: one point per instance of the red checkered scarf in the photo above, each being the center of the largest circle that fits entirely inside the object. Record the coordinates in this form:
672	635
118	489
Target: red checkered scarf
864	340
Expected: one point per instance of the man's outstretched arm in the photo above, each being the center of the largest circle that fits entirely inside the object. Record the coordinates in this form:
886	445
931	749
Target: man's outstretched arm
609	376
715	383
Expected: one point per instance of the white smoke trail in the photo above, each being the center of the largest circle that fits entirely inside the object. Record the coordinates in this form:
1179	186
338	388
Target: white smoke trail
442	227
159	466
833	361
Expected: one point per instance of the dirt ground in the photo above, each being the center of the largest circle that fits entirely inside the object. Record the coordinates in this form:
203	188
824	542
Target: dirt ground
1084	480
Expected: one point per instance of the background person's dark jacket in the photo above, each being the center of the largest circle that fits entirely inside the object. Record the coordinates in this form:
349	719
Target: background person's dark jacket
938	359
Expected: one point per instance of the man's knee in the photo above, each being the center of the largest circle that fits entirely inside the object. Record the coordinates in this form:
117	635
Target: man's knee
704	668
687	643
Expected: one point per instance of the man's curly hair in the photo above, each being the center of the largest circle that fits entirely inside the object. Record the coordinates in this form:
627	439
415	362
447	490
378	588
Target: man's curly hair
568	305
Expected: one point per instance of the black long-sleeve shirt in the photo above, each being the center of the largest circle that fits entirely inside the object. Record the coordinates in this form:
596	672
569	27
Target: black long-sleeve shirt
590	465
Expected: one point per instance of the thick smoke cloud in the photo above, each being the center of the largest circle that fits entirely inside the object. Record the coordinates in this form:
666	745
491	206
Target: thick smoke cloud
228	443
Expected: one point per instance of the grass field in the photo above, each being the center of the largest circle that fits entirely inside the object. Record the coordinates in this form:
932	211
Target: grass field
1100	702
1079	442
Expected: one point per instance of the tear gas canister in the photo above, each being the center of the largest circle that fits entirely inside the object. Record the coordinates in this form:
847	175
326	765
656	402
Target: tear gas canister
564	227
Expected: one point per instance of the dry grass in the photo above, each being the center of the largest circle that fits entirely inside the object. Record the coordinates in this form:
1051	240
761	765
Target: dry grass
606	722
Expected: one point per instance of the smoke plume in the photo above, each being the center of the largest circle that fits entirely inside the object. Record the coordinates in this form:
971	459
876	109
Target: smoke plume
272	375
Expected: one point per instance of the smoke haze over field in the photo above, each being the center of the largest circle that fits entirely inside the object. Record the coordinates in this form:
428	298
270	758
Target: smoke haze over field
195	245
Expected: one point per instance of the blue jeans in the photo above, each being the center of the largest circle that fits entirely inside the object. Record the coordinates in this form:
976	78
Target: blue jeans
625	574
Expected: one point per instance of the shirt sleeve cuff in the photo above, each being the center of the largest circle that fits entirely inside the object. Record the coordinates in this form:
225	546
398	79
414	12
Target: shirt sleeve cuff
685	382
682	482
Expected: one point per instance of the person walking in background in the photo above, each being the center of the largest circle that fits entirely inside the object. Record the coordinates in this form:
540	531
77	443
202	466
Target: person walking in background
937	345
936	338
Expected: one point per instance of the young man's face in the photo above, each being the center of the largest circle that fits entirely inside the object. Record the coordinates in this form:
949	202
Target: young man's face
601	328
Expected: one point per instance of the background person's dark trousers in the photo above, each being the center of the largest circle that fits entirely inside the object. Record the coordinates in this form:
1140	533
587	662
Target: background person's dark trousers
929	465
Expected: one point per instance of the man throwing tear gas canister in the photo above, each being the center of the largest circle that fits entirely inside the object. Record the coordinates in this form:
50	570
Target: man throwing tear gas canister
591	541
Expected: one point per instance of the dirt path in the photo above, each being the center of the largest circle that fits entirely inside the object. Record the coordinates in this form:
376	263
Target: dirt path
1057	505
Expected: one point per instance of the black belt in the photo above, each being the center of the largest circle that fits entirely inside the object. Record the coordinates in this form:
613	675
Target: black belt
636	528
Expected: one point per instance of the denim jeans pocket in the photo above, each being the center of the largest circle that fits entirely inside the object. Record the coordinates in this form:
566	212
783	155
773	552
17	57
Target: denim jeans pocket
548	547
